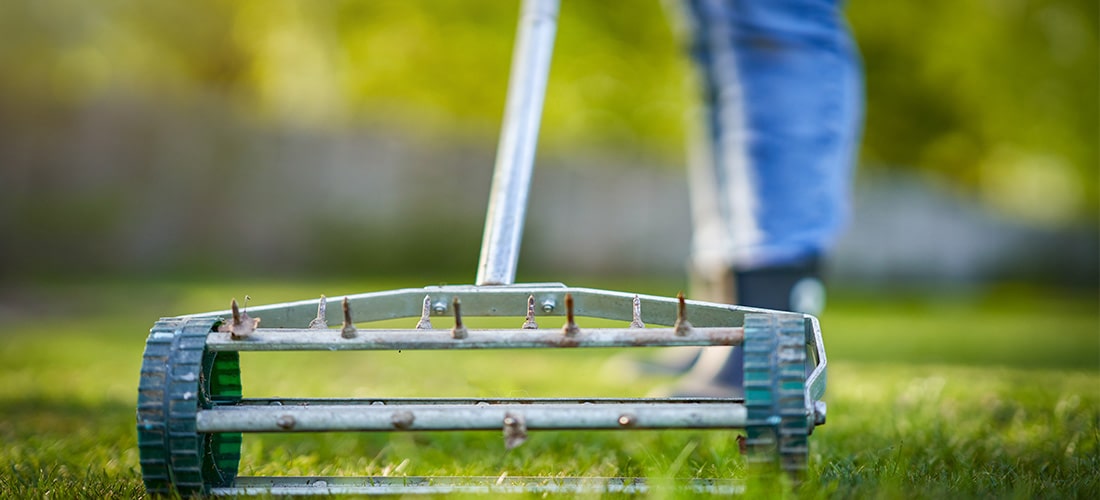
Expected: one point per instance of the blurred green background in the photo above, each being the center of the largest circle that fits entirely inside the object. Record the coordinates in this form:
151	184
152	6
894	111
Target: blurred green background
327	138
158	158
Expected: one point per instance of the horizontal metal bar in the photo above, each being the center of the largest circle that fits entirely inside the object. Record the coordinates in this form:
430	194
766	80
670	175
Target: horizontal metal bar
472	401
265	339
510	300
386	485
319	418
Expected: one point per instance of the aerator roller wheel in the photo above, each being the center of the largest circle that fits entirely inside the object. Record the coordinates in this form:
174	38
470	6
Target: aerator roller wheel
775	396
178	378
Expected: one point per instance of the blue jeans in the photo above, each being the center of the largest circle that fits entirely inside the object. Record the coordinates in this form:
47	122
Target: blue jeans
782	90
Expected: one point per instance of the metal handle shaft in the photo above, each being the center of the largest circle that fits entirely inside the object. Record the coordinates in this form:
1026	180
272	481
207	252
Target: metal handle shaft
518	139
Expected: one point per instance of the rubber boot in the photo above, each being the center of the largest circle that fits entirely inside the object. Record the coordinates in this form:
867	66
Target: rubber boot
794	287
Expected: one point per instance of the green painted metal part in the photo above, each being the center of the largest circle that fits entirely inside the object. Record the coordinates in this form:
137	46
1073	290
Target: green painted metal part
775	389
179	377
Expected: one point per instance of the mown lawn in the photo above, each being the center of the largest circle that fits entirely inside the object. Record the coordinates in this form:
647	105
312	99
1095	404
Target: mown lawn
993	394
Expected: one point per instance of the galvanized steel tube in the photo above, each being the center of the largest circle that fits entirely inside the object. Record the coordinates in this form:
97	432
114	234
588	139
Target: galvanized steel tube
518	139
392	340
317	417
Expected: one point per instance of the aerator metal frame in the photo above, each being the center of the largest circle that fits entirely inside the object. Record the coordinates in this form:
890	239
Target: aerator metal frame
191	410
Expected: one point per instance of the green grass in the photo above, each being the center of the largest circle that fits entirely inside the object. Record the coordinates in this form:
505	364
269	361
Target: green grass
985	395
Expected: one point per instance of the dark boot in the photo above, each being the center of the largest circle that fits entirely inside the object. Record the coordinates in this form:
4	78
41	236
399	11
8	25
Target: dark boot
794	287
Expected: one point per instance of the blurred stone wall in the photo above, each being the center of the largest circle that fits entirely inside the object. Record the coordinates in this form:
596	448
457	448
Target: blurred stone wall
126	186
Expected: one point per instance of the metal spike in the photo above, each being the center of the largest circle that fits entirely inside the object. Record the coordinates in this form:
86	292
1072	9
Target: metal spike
570	329
459	331
242	325
515	430
321	321
637	308
236	311
348	331
682	326
530	324
425	322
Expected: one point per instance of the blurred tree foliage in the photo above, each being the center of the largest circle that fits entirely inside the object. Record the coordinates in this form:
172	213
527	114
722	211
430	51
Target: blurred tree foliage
976	91
998	95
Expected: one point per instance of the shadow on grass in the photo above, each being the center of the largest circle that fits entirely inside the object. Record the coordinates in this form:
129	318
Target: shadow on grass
68	449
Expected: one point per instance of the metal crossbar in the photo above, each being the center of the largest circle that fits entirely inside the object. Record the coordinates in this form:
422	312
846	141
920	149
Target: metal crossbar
496	301
442	485
472	414
713	324
379	340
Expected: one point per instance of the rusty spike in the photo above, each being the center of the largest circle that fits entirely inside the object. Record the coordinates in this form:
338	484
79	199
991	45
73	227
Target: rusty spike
236	311
570	329
348	331
682	326
459	331
425	322
529	323
242	325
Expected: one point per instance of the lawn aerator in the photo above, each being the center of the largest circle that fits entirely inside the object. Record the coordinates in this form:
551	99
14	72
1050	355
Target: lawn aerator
191	410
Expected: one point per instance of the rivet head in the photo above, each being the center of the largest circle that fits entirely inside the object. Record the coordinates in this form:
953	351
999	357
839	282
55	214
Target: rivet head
515	430
627	420
402	419
439	308
548	306
285	422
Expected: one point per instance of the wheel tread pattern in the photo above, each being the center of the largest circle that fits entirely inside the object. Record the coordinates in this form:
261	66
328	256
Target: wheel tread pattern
775	361
178	378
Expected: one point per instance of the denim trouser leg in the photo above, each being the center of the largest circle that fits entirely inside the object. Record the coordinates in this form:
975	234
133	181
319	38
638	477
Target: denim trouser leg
782	91
783	108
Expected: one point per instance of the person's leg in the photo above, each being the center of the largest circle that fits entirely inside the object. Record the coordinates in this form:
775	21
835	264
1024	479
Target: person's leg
782	89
